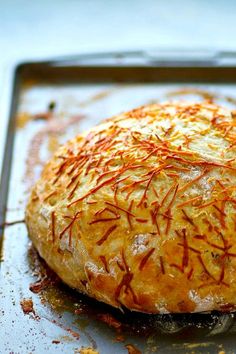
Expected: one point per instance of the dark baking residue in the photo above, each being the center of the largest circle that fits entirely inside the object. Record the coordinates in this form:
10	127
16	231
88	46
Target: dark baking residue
132	349
60	299
11	223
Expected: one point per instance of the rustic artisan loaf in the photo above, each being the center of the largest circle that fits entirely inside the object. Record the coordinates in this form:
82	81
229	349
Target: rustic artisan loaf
140	211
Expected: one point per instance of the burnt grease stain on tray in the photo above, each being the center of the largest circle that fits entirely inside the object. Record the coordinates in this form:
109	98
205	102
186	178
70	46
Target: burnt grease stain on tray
60	299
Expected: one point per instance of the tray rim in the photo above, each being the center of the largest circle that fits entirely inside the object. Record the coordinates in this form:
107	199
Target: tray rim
149	61
11	128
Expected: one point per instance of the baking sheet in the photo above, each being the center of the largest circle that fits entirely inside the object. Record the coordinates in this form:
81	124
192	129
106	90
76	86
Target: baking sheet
48	111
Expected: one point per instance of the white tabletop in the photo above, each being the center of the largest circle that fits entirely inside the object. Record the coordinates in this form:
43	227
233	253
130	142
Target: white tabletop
47	28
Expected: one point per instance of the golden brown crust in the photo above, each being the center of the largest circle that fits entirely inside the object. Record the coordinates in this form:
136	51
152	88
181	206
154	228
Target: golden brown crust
141	211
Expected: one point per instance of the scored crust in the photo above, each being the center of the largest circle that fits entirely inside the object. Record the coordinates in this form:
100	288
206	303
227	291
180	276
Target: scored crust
140	211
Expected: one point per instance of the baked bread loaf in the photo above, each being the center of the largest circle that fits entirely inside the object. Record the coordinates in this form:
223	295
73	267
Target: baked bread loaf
140	212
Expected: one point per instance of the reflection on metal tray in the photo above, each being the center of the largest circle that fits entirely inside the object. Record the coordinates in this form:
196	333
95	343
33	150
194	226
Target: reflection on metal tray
52	102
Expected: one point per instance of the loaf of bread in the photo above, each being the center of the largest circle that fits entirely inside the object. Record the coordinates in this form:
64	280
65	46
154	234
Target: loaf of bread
140	211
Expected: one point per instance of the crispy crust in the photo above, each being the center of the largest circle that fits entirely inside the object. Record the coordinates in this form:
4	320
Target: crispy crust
141	210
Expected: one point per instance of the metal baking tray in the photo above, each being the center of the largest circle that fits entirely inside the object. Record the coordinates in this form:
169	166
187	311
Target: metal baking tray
51	102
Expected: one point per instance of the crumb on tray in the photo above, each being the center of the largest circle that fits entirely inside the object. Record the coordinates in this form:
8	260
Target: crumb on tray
27	306
87	351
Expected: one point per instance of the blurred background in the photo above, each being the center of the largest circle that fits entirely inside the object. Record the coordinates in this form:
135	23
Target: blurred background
30	29
48	28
